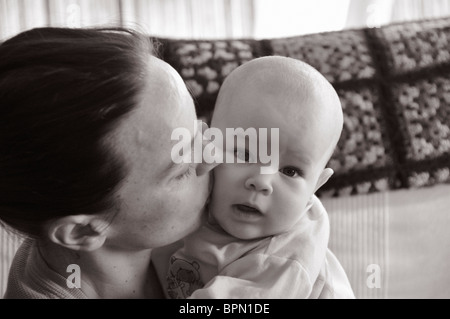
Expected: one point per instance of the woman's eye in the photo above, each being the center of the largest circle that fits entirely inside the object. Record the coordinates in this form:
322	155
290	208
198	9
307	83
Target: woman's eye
186	173
290	171
243	155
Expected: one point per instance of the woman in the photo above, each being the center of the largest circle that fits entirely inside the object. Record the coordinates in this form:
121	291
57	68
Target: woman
86	118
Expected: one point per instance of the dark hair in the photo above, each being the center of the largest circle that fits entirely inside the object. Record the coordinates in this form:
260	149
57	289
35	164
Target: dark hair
61	92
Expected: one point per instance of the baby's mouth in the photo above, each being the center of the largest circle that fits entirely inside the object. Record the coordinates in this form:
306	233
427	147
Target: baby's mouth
247	209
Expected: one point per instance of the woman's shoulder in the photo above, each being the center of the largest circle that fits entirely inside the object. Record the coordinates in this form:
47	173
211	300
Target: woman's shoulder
31	278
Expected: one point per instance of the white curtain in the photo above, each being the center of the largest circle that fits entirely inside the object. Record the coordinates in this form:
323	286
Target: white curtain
190	18
215	18
281	18
165	18
420	10
375	13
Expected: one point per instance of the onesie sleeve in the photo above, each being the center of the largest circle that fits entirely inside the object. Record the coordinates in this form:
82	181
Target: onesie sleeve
259	276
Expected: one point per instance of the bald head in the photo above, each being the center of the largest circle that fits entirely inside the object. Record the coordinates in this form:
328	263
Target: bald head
289	91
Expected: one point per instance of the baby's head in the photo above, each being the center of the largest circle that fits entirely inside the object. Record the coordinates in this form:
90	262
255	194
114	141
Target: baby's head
274	93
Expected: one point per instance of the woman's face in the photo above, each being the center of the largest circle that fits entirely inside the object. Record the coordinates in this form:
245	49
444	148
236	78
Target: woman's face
160	201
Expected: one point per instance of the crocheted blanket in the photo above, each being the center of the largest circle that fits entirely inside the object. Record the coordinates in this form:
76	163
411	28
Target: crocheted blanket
394	85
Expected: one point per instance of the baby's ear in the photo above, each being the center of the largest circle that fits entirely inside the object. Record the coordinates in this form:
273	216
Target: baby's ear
323	178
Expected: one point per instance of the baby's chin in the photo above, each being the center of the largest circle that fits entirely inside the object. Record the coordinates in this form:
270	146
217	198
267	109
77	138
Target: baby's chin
246	234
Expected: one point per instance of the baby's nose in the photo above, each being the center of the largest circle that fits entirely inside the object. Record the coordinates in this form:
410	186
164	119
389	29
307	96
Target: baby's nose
260	183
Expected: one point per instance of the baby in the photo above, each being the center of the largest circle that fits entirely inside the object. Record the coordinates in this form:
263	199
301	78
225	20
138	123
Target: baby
267	234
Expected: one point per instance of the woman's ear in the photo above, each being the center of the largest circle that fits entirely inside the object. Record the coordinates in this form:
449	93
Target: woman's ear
78	232
323	178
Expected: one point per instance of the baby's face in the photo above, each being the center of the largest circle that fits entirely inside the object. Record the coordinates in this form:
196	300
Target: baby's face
248	204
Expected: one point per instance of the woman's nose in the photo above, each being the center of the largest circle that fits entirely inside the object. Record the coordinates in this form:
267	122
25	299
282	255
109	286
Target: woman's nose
260	183
204	168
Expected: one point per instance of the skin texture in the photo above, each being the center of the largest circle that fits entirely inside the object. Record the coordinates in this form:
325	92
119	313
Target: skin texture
158	202
284	93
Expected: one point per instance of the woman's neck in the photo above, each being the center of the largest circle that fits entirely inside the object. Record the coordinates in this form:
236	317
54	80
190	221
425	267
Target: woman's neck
107	273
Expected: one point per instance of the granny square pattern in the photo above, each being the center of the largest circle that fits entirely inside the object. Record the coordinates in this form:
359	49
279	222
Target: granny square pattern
204	65
339	56
394	87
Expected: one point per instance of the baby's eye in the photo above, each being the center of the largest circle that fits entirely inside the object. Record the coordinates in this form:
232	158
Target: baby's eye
291	171
243	155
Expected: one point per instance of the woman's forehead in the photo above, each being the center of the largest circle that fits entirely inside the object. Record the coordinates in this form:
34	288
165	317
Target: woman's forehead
164	105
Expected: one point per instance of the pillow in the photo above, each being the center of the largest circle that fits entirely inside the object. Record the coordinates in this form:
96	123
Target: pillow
204	64
416	77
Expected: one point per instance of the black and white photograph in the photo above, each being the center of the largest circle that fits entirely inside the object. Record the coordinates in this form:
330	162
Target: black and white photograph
241	151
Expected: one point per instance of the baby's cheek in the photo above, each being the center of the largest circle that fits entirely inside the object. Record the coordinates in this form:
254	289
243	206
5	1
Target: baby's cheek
291	203
226	175
218	175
